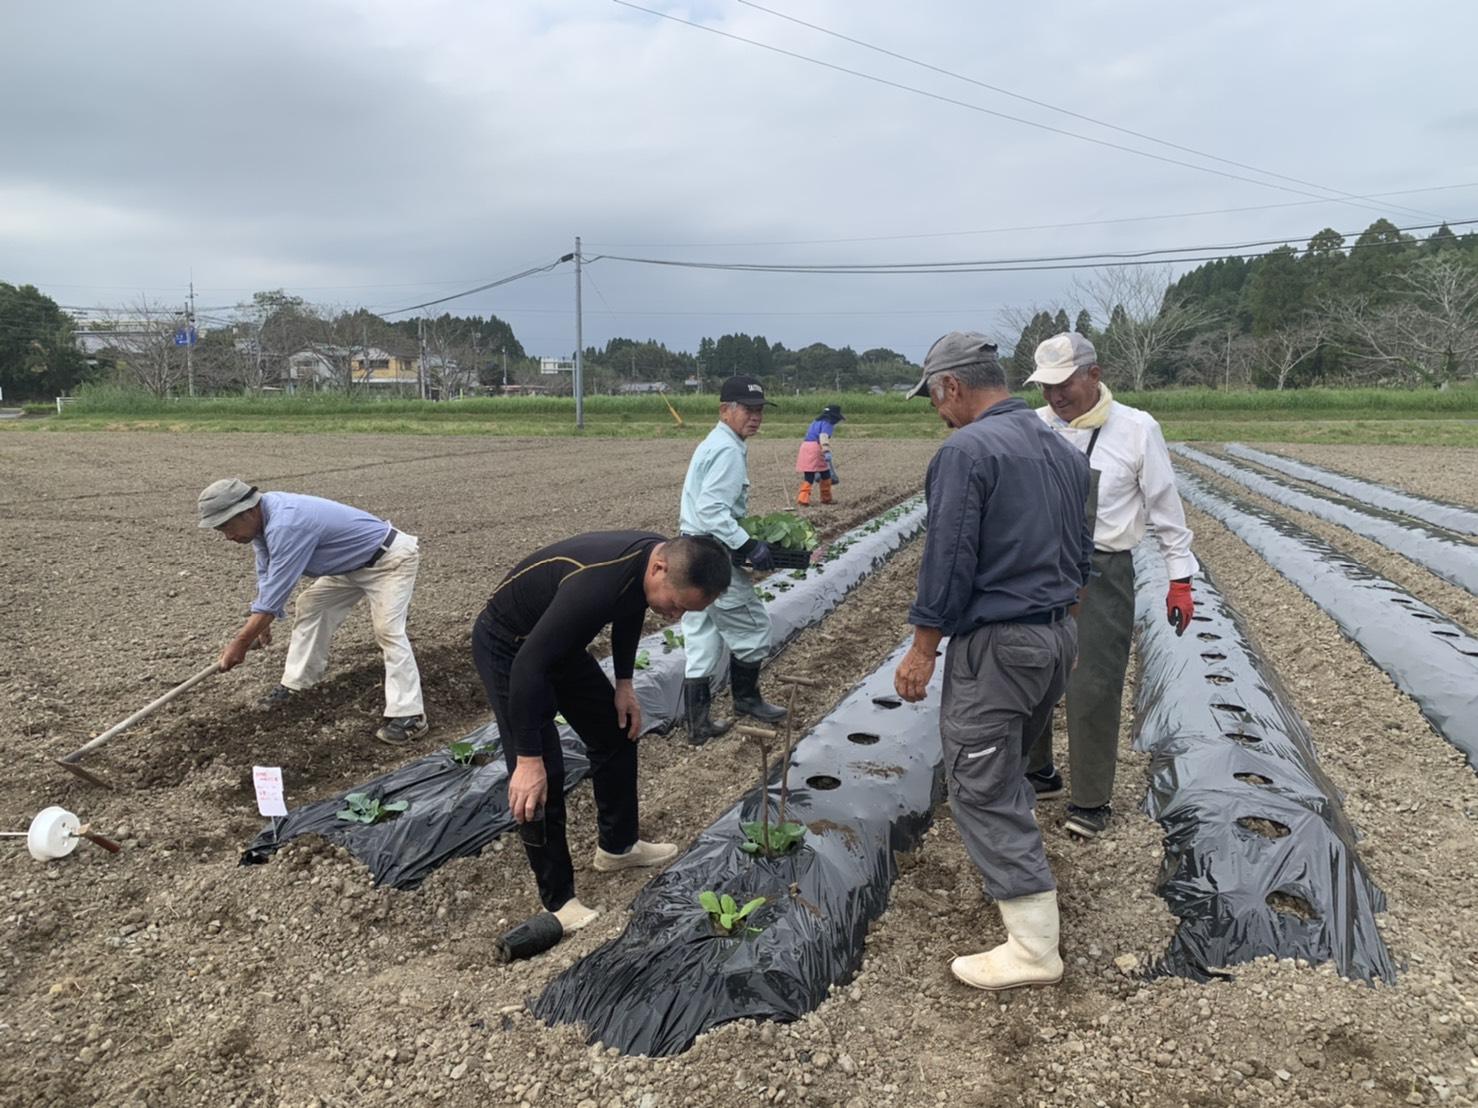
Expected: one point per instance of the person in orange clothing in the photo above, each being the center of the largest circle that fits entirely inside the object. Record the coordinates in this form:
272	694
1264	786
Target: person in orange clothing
813	462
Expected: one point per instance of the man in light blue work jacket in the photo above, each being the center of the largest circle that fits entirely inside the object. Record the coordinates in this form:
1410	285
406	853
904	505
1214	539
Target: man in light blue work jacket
715	499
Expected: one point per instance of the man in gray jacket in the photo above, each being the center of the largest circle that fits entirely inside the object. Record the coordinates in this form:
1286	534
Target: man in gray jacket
1007	549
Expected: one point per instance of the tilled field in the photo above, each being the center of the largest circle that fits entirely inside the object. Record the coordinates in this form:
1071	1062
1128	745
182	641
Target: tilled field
168	975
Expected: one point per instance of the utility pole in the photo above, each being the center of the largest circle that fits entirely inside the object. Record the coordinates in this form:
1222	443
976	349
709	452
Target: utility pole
504	353
190	336
421	374
579	346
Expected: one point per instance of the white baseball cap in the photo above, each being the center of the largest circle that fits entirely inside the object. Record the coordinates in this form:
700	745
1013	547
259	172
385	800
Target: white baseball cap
1059	357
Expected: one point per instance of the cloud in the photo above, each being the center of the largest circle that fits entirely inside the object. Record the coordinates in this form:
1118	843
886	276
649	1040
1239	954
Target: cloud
378	152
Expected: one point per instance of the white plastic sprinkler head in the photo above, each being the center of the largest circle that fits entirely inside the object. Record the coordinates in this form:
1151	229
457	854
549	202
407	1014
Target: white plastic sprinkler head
53	834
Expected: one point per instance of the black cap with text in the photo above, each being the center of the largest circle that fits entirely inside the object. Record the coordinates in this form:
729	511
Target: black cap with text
743	390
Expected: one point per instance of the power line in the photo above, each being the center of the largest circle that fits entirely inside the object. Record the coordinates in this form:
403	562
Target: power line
482	288
1065	111
1013	265
982	109
1022	227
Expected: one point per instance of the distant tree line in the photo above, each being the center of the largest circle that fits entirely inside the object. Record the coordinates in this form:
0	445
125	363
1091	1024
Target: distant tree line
1387	309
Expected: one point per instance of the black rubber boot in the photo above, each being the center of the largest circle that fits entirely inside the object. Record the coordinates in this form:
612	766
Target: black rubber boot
698	698
745	681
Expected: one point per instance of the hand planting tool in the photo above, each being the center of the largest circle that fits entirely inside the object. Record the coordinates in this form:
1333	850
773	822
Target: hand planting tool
54	834
69	762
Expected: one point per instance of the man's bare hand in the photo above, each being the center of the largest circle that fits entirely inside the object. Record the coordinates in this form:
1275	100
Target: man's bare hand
528	788
628	709
913	674
233	655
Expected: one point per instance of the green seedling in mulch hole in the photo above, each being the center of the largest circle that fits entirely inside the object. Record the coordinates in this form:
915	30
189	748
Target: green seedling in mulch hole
763	838
671	640
469	753
363	808
643	659
781	837
797	575
783	529
725	913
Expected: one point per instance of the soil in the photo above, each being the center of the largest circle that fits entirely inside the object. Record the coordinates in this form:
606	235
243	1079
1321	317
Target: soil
169	975
1442	473
1451	600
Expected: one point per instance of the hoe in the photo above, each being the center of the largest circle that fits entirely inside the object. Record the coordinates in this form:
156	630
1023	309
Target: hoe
70	762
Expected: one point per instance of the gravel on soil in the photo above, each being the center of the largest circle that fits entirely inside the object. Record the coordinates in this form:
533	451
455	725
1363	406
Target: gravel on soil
168	975
1456	603
1447	473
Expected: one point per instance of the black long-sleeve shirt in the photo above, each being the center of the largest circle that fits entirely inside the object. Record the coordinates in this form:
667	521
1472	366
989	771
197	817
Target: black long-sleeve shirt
554	602
1008	534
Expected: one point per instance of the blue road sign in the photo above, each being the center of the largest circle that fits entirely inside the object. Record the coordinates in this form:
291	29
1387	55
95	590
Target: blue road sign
185	336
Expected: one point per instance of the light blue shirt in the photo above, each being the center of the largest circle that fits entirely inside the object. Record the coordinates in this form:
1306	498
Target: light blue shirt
716	490
309	536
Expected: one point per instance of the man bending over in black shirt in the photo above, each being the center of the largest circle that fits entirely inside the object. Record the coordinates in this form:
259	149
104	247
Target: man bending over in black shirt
529	646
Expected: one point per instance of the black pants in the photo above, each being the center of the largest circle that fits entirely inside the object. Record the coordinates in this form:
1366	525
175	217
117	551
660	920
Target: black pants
585	698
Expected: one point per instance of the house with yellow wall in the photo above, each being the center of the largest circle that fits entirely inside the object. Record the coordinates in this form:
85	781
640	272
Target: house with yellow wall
379	367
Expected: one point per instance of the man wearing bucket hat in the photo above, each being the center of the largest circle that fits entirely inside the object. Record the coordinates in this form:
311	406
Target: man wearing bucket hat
1006	551
1134	486
715	498
352	555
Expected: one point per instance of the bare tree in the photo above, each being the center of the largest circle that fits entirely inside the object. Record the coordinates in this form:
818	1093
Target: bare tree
450	361
1283	351
143	341
338	340
1145	320
1429	333
1219	359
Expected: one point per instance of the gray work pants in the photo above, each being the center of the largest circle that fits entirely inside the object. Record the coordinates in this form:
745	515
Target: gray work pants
1000	682
1096	688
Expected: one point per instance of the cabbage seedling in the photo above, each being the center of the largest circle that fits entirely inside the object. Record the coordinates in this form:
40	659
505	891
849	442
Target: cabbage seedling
770	839
363	808
724	911
465	753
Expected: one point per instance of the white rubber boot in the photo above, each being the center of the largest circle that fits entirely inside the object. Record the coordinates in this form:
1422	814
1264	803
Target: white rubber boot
1029	954
641	854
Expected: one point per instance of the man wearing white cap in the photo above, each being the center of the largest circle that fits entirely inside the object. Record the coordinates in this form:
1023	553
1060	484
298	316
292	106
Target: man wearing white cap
1134	486
352	555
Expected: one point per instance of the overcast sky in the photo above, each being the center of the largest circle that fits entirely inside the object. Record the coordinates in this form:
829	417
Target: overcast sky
384	152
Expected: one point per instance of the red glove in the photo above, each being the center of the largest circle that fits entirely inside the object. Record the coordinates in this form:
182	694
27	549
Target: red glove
1179	606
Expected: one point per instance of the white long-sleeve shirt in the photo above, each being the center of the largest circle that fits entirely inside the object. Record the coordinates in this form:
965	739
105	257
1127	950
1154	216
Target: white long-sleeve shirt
1136	485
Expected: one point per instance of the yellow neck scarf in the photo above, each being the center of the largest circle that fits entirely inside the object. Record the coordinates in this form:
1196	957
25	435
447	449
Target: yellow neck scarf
1097	415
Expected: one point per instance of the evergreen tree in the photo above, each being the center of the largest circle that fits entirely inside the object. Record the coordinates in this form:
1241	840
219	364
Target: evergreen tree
38	349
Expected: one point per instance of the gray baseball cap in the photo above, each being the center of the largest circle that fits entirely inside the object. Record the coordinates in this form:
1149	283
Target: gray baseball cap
225	500
954	350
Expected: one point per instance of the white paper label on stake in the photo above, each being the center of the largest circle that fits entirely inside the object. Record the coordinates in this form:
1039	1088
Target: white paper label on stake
268	781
